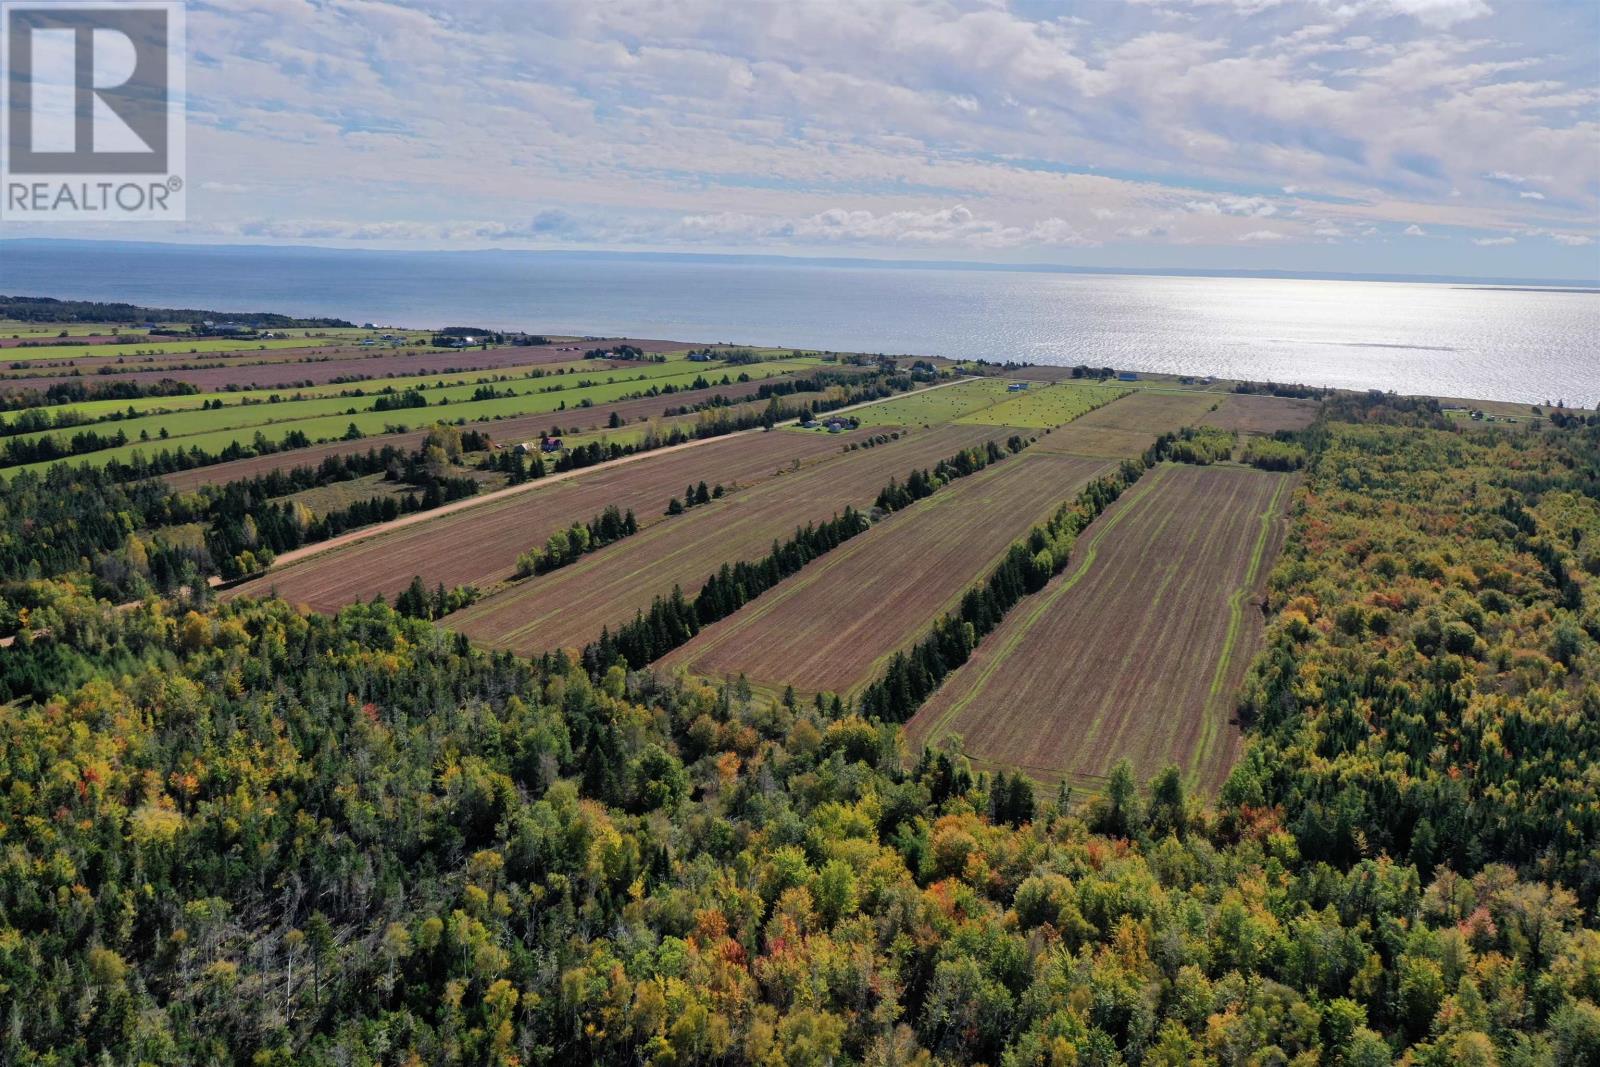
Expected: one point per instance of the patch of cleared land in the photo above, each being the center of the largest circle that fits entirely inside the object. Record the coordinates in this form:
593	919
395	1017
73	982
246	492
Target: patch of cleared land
567	608
833	626
1095	442
1040	406
935	407
1137	649
1129	425
1251	413
1153	411
479	546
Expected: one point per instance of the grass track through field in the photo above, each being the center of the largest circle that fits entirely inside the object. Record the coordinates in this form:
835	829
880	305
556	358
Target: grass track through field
1219	677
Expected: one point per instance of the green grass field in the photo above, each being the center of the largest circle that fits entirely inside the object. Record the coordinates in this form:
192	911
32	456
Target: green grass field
185	347
10	328
519	379
934	406
328	418
1042	406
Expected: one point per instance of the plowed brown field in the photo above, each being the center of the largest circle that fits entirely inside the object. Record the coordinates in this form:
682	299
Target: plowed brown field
831	627
568	607
479	545
1149	411
1138	648
1250	413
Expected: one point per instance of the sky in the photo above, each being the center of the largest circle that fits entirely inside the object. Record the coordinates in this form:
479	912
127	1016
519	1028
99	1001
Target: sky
1455	137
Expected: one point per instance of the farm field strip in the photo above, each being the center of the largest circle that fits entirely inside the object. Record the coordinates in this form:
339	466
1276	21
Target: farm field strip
1152	410
290	370
504	431
833	627
327	426
207	346
12	330
1043	406
569	607
1255	413
552	392
175	362
933	408
452	384
479	544
431	384
1137	648
315	350
1095	442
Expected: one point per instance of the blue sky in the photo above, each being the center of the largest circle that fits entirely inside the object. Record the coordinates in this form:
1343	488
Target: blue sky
1395	136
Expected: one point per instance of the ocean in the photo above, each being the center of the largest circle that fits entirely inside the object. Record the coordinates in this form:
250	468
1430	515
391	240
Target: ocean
1527	345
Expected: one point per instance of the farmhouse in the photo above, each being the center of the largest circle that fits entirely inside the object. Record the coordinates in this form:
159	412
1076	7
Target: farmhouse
1017	387
550	444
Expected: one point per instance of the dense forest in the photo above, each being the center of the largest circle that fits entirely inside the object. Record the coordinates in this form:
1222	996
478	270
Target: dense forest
241	834
49	309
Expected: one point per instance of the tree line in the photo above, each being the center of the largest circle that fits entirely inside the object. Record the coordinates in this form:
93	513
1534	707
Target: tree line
567	546
673	620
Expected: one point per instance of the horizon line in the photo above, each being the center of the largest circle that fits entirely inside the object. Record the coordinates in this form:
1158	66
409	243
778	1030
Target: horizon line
866	262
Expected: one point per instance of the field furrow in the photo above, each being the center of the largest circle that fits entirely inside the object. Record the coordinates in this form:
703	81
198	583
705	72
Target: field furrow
479	546
831	628
1138	647
568	607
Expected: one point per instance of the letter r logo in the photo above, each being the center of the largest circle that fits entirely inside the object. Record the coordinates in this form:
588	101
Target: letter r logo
88	88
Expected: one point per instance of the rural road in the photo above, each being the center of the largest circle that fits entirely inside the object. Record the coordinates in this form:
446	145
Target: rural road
355	536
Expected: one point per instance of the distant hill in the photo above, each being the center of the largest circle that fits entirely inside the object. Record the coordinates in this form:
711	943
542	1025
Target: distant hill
46	309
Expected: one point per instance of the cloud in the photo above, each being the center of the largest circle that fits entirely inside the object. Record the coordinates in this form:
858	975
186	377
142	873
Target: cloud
1442	13
1436	12
956	226
1528	194
1572	240
1415	231
1515	179
923	125
1490	242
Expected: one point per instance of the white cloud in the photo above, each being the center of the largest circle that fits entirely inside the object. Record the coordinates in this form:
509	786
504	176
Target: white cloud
927	124
1490	242
955	226
1415	231
1528	194
1572	240
1515	179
